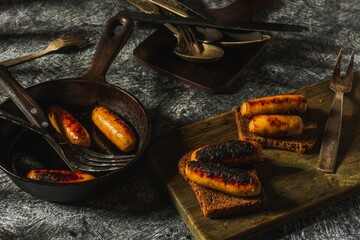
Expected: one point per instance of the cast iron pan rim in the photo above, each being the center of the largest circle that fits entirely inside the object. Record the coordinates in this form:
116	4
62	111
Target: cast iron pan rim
106	176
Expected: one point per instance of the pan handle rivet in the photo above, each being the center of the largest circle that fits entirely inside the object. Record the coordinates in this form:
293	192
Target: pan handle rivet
34	111
44	124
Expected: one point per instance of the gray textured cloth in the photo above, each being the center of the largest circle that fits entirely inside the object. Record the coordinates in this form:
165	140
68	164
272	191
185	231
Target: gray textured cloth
138	208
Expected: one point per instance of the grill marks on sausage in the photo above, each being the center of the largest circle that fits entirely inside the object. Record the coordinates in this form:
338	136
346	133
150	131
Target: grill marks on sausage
67	125
77	132
275	122
278	104
276	125
114	128
276	100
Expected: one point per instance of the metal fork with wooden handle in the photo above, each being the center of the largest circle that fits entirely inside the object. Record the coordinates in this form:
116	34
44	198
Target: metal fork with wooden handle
330	143
55	45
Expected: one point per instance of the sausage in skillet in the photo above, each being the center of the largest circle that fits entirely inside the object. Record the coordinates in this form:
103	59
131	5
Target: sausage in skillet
114	128
58	176
67	125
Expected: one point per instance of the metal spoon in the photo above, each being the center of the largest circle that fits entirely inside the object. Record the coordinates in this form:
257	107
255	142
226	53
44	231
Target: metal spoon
208	52
205	35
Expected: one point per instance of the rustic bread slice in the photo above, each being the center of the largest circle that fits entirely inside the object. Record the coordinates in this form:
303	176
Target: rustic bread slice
216	204
301	144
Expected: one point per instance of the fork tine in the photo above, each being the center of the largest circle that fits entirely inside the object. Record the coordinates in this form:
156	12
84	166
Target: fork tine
89	168
98	165
336	73
186	38
87	156
350	69
105	166
104	156
194	41
107	161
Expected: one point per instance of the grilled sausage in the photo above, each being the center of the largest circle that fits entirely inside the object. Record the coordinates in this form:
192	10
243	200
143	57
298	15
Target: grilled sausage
58	176
234	181
276	125
114	128
230	153
278	104
68	126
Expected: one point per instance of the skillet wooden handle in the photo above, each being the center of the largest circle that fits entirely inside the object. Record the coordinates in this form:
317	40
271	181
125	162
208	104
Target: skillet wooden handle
109	45
22	99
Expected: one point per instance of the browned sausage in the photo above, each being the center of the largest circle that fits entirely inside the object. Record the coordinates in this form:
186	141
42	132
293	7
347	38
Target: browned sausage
276	125
230	153
234	181
114	128
68	126
278	104
58	176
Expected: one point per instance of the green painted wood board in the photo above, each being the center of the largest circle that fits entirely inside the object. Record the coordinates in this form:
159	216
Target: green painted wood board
293	185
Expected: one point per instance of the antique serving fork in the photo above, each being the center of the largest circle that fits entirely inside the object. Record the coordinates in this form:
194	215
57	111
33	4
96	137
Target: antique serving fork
61	43
340	85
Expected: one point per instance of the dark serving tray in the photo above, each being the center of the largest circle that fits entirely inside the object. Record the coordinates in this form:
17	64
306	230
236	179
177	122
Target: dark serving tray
156	52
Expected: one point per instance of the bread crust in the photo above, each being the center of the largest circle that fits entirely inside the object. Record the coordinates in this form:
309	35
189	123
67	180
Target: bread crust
216	204
301	144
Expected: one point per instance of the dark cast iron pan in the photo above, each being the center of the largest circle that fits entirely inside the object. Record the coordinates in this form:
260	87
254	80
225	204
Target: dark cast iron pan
22	150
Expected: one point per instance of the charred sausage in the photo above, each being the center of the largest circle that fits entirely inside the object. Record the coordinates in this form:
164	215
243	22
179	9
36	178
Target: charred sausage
68	126
276	125
234	181
278	104
58	176
114	128
230	153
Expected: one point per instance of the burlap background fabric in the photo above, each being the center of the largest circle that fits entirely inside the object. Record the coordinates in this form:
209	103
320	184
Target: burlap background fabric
138	208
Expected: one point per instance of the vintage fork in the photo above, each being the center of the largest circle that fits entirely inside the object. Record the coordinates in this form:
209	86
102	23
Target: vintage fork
61	43
76	158
330	144
190	40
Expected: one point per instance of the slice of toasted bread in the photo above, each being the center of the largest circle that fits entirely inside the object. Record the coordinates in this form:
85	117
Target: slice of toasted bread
216	204
301	144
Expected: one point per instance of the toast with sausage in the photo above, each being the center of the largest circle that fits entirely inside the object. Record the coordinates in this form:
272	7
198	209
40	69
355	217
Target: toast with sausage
299	135
218	204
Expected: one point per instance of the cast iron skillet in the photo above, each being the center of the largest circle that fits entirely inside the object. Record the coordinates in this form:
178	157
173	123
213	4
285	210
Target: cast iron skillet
21	149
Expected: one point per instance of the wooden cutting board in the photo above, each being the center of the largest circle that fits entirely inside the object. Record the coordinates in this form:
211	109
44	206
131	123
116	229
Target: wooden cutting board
293	185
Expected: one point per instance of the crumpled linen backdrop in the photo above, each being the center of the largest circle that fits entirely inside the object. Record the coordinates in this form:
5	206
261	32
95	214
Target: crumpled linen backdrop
138	208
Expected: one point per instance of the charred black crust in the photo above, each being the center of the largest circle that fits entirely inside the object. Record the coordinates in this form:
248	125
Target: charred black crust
225	150
227	174
55	176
